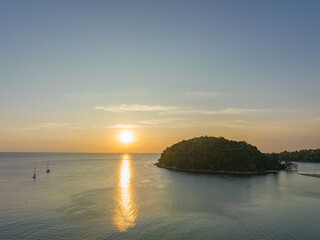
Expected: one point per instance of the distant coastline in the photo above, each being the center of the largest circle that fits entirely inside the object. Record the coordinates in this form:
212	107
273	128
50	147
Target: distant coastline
306	155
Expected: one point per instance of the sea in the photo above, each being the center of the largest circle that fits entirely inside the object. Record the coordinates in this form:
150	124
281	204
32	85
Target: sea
125	196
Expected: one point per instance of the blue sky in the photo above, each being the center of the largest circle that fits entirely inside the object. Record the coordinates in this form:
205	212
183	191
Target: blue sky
246	70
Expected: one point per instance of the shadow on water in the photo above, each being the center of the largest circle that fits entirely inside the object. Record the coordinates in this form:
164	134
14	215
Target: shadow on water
216	195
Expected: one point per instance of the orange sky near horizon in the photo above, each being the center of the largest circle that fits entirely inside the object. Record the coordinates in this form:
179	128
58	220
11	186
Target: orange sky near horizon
148	140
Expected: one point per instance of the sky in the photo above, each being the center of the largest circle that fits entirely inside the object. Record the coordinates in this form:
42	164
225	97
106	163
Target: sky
75	74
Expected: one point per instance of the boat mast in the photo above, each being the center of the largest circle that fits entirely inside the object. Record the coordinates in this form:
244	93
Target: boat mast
34	172
48	170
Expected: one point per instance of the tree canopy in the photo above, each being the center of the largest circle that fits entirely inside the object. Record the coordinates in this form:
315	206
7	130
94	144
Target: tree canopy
217	154
297	156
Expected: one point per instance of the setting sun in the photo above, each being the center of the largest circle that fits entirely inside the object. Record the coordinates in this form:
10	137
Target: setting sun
126	137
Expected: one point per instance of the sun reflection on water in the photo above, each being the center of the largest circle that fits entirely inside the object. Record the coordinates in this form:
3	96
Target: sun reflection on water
125	211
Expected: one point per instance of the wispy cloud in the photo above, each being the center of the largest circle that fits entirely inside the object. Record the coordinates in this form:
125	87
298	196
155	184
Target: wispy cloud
123	126
150	123
226	111
173	110
317	119
135	108
163	121
47	125
203	94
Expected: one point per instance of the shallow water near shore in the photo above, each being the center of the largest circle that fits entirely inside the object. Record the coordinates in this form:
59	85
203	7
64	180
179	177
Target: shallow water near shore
124	196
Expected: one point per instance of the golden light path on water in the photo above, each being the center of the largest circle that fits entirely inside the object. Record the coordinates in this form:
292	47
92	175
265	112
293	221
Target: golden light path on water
125	210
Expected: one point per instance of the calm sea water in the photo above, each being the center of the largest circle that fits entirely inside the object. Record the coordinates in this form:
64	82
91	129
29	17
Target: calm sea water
124	196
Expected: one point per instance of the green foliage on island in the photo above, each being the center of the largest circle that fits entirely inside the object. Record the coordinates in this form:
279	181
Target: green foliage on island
217	154
297	156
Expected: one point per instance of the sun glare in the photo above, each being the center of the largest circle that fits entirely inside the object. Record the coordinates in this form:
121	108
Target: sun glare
126	137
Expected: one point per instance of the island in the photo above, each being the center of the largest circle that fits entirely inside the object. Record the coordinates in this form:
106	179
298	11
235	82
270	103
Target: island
217	155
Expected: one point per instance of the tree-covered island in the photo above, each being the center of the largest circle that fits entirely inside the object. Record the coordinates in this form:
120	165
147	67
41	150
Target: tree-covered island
217	155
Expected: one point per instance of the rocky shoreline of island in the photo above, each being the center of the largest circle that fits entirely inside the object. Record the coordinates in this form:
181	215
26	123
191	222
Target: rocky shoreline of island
215	172
310	174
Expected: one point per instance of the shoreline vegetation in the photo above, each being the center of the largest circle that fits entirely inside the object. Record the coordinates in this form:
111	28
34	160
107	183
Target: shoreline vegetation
212	155
311	155
215	172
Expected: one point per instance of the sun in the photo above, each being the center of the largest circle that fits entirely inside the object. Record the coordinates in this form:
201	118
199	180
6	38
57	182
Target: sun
126	137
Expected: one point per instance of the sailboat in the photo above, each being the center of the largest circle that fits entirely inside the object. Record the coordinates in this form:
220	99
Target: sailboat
48	170
34	172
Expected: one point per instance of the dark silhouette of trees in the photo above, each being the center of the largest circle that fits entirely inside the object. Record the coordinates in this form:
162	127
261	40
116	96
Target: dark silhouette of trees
297	156
217	154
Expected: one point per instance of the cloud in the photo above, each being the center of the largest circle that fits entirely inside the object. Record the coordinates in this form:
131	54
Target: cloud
226	111
163	121
203	94
150	123
47	125
244	110
173	110
123	126
134	108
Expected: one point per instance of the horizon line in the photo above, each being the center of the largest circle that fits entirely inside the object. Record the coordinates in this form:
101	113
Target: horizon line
88	152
